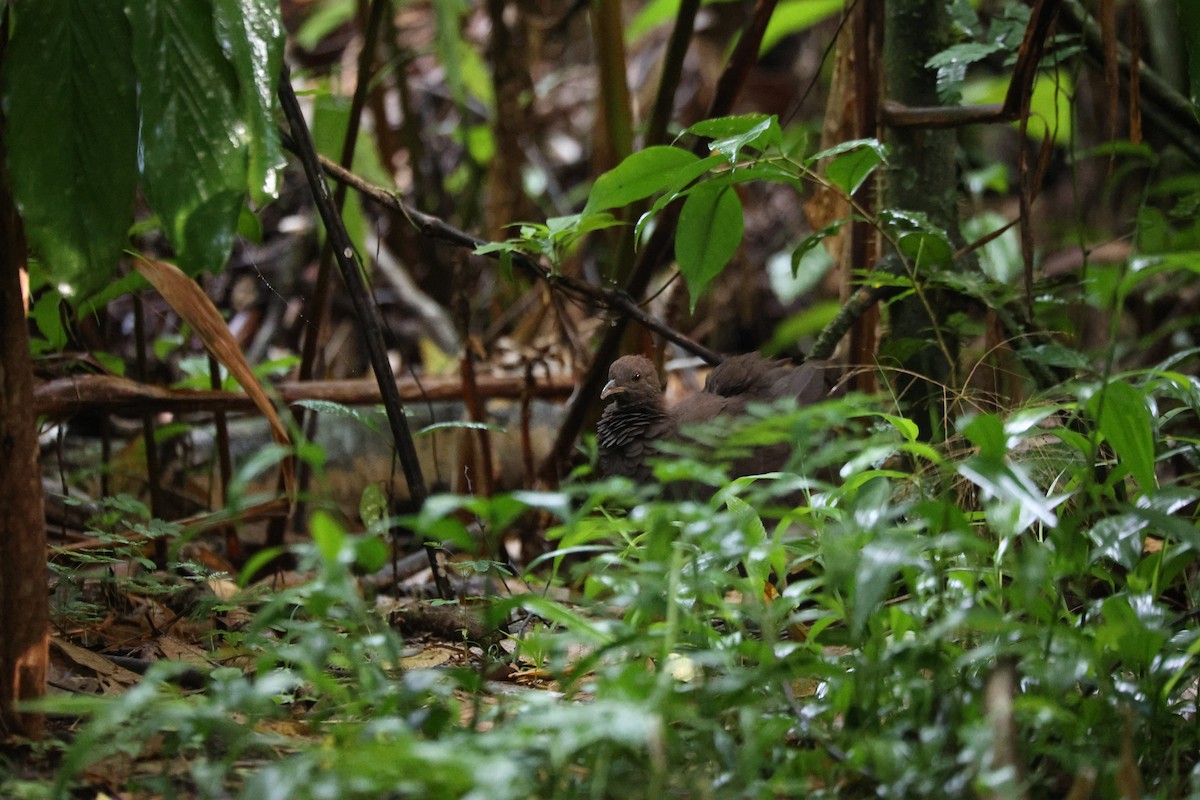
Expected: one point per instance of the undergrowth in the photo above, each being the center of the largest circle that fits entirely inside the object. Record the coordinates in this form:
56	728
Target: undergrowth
1008	615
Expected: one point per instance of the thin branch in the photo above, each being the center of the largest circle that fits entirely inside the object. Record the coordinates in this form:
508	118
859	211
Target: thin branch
1029	57
365	310
897	115
672	68
437	228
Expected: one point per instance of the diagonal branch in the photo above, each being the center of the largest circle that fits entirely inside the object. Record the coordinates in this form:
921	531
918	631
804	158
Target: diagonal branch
368	315
437	228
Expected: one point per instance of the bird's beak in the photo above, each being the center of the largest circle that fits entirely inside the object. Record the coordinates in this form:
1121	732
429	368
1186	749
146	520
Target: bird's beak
610	389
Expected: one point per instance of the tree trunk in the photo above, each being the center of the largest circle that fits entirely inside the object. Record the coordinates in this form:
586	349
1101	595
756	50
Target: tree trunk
922	177
24	602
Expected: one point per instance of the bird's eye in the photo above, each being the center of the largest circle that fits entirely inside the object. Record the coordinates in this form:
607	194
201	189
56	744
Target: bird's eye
637	376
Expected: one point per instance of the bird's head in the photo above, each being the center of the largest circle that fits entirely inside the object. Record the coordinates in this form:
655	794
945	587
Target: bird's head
633	381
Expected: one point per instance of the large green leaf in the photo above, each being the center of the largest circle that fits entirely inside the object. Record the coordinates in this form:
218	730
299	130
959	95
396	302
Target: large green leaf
681	179
709	232
72	136
638	176
251	34
761	135
195	143
1009	483
1121	413
731	134
851	163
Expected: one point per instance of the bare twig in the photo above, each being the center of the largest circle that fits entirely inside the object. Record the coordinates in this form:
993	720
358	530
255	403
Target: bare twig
672	68
365	310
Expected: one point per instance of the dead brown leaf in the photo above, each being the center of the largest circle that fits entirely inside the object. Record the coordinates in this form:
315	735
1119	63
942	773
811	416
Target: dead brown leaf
195	307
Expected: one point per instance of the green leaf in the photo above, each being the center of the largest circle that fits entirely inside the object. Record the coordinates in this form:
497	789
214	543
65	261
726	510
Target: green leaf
727	127
368	419
46	312
460	425
960	55
809	322
986	432
1119	538
1049	105
327	535
1009	482
563	231
879	562
331	120
1121	414
919	239
72	136
370	553
1055	355
1134	628
326	18
559	614
372	505
251	35
848	170
682	179
557	503
710	230
638	176
813	240
761	135
195	143
796	16
651	15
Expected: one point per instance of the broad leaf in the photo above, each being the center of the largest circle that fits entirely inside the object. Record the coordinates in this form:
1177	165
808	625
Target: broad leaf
195	143
638	176
710	230
728	127
678	187
986	432
72	136
372	505
919	240
460	425
852	162
1120	412
879	563
958	56
251	34
651	15
814	239
759	136
1009	483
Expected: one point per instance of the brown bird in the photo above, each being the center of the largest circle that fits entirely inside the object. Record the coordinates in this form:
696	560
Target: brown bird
631	428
